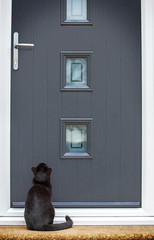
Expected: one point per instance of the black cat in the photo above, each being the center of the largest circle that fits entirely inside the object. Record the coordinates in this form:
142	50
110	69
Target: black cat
39	211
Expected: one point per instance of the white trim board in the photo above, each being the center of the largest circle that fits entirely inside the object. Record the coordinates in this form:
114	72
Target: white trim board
144	215
88	220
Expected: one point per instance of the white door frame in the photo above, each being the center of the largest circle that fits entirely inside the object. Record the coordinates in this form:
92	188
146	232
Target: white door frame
144	215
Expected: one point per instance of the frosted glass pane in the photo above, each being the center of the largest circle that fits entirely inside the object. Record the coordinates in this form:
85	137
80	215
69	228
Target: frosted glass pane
76	10
76	72
76	138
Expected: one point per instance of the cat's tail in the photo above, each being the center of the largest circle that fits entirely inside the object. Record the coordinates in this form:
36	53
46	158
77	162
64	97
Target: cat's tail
59	226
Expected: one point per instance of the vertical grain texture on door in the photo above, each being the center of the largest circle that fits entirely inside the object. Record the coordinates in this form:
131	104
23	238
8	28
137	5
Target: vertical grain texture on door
22	101
113	175
98	171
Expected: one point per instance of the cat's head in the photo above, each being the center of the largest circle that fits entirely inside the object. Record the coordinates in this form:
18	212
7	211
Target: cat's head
41	172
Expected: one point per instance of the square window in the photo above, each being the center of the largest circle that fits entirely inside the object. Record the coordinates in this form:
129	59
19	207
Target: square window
76	137
76	71
76	12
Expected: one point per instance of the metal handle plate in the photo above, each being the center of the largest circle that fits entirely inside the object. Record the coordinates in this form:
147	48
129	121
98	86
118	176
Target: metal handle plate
16	45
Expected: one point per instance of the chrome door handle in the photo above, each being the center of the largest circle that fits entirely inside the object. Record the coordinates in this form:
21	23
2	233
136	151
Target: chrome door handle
24	45
16	45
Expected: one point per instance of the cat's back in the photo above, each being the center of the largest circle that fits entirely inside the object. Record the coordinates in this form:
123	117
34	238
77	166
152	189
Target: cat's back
37	205
38	194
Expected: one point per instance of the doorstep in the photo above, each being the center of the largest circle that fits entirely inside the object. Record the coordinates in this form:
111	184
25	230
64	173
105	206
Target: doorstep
79	233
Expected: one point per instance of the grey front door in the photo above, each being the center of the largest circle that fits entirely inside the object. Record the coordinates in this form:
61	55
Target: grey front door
76	100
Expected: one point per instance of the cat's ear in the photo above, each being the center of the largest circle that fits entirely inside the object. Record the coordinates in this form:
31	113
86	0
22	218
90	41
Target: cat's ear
49	170
33	170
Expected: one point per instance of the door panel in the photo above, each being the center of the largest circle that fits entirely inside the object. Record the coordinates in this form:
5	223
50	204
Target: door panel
112	177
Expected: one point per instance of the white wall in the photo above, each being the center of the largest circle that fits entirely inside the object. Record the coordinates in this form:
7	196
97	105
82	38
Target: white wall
5	51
